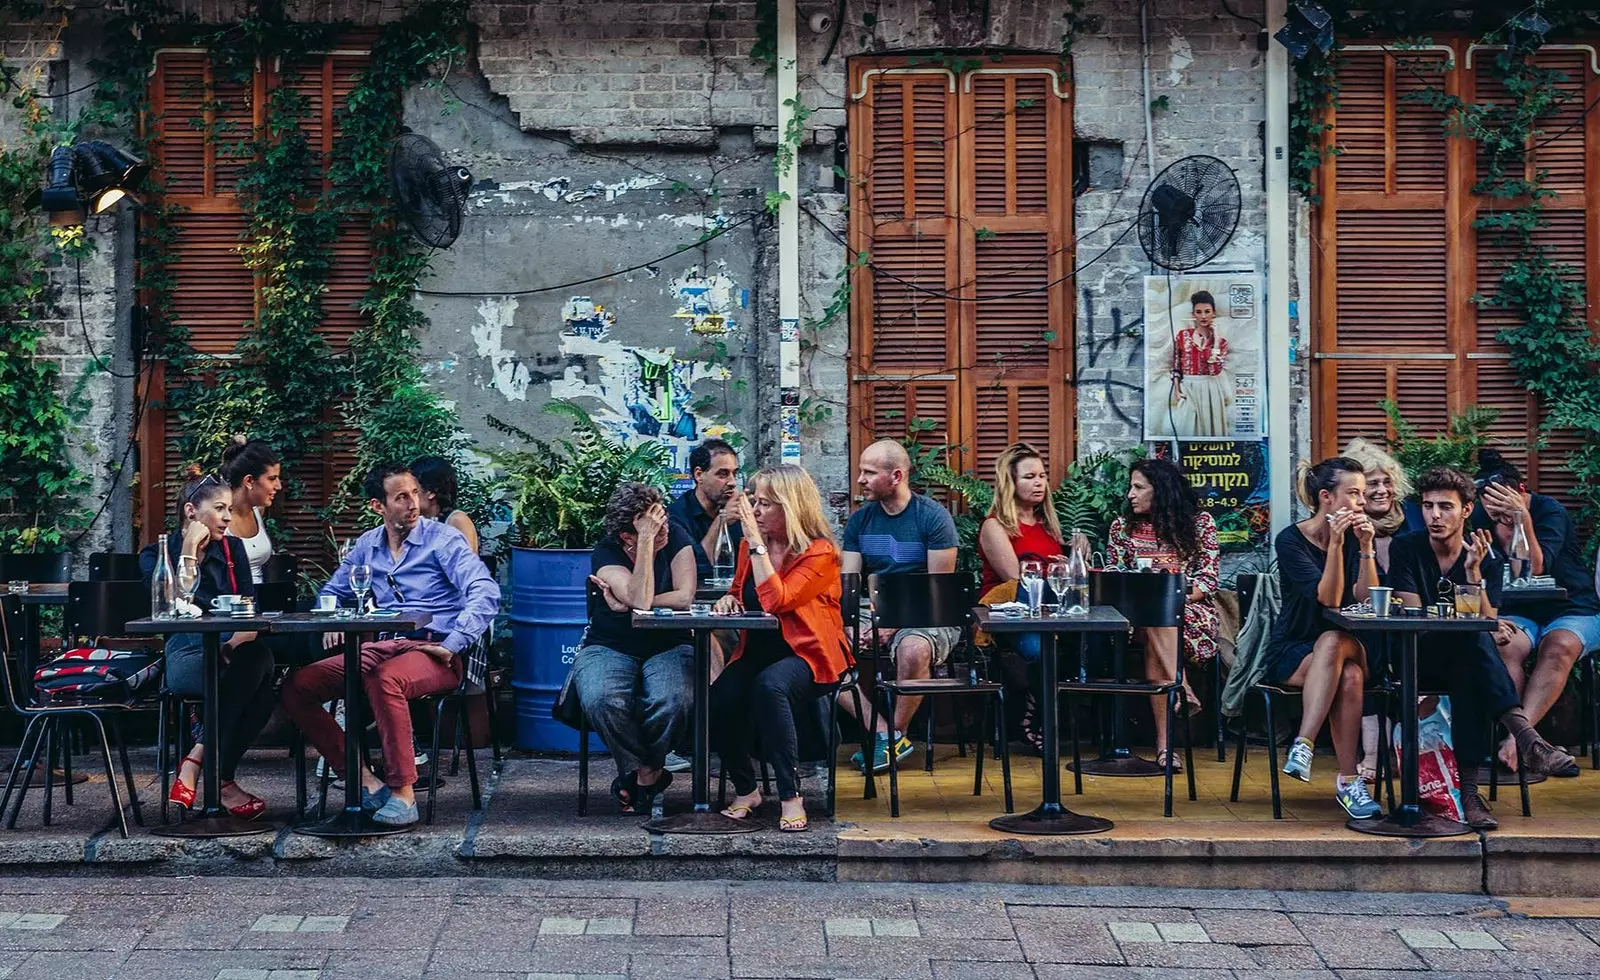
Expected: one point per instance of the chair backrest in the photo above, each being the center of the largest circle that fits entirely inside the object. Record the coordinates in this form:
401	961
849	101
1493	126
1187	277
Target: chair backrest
281	568
10	645
276	597
97	609
1146	599
36	567
850	608
921	600
114	566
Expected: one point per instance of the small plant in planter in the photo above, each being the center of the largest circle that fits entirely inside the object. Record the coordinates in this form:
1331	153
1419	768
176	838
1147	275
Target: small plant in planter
557	490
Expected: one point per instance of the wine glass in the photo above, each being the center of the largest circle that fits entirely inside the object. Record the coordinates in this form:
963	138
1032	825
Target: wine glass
1057	573
188	578
361	585
1032	586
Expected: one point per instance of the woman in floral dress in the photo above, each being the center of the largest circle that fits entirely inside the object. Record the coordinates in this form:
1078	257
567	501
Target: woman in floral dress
1165	524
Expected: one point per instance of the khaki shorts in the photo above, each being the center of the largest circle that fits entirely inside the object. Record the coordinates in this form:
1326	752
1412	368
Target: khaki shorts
942	639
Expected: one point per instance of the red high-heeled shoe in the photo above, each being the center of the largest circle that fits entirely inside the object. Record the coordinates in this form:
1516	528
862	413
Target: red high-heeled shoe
181	795
253	807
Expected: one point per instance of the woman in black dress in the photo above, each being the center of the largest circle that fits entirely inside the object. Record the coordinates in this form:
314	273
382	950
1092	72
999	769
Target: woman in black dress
1326	562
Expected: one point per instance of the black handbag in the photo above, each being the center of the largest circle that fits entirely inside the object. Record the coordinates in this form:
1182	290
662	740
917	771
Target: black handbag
566	708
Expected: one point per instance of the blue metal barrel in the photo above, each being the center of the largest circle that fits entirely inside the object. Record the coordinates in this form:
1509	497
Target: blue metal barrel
548	614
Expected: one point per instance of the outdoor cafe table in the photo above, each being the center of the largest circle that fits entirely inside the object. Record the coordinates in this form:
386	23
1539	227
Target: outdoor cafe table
1050	817
1408	819
702	819
352	821
214	821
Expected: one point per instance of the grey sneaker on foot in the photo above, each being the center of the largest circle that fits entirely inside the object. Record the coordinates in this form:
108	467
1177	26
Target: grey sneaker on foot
373	802
1355	799
1298	764
396	812
677	763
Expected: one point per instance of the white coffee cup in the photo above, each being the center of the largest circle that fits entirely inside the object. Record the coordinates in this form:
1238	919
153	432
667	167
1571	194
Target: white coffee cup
224	603
327	603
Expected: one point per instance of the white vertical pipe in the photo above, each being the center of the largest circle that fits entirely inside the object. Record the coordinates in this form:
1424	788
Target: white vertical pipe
1280	448
789	205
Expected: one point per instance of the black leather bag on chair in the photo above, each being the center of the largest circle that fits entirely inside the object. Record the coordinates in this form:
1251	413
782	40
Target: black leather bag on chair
567	709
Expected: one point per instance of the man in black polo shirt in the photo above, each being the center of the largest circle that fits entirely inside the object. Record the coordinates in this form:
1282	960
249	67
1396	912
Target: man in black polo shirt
698	511
1468	666
1558	631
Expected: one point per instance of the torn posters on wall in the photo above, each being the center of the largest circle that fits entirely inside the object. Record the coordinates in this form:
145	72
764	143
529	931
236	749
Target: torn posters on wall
1204	377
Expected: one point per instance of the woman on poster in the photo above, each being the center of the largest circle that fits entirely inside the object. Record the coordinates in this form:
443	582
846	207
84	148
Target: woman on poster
1200	382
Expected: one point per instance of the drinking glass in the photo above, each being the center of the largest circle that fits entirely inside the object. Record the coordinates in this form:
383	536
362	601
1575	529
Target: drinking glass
1032	583
361	585
1468	601
188	578
1058	579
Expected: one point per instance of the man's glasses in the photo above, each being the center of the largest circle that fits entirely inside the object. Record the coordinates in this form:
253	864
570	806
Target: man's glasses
399	596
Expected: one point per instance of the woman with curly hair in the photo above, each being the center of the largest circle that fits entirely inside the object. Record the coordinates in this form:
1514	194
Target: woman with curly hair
1165	524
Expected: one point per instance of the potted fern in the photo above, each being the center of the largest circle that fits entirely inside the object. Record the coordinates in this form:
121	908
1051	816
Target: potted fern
557	492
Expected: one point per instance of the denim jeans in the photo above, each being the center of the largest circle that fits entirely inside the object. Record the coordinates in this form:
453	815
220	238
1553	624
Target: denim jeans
639	708
244	692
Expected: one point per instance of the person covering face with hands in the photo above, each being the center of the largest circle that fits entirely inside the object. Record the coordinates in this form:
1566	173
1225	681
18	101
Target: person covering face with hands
1469	667
417	566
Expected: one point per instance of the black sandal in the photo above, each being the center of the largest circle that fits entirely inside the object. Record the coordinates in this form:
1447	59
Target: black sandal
645	796
625	790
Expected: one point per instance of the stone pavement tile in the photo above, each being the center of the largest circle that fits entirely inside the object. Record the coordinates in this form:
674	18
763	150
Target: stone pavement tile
1067	971
56	965
214	923
1425	938
679	968
1284	975
779	964
896	929
1192	956
562	925
1136	897
1473	939
104	929
1546	945
965	925
1410	975
513	923
462	961
1182	932
373	926
609	926
1133	932
1246	927
1348	942
1589	927
959	902
1285	957
277	923
165	964
365	964
841	927
700	916
978	950
1468	960
947	970
1064	942
633	945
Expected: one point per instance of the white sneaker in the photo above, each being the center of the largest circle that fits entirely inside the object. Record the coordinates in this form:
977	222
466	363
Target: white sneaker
677	763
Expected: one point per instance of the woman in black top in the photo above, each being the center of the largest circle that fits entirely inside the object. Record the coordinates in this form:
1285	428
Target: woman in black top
438	481
244	690
1326	562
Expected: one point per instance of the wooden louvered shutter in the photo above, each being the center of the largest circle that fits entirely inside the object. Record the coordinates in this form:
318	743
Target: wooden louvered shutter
1389	305
201	127
961	199
904	346
1017	251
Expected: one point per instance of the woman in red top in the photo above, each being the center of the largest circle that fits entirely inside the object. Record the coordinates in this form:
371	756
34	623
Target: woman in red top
1200	394
789	567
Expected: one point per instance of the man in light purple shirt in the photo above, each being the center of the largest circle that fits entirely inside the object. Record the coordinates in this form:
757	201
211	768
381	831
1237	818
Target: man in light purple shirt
417	566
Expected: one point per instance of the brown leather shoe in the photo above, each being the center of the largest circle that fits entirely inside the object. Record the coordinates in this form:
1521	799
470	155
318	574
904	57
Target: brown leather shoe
1477	811
1542	757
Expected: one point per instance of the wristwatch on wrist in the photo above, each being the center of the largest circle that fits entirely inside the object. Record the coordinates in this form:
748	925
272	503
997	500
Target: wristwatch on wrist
758	549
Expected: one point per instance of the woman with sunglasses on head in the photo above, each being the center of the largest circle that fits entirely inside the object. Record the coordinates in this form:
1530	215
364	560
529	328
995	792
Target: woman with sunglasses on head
255	474
1164	523
221	566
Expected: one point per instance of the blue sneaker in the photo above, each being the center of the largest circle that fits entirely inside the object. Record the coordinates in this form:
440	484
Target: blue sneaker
880	752
373	802
1355	799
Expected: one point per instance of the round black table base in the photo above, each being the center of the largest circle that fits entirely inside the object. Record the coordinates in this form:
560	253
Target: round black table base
1044	820
345	824
1119	765
1507	778
225	826
77	777
701	822
1425	825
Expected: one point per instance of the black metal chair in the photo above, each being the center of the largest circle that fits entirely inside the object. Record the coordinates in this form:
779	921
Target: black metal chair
113	566
927	601
1589	724
1148	600
45	726
281	568
277	597
31	566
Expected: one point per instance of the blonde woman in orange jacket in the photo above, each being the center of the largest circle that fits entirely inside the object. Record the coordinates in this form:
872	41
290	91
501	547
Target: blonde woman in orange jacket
789	567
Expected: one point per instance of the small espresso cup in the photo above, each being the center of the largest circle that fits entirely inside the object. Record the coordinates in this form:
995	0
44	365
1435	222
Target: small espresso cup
224	603
327	603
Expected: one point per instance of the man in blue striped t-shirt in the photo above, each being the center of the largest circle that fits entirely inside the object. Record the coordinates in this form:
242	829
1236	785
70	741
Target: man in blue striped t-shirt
898	532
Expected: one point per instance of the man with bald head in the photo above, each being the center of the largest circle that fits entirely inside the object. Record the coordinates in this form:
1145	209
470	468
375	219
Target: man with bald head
897	532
